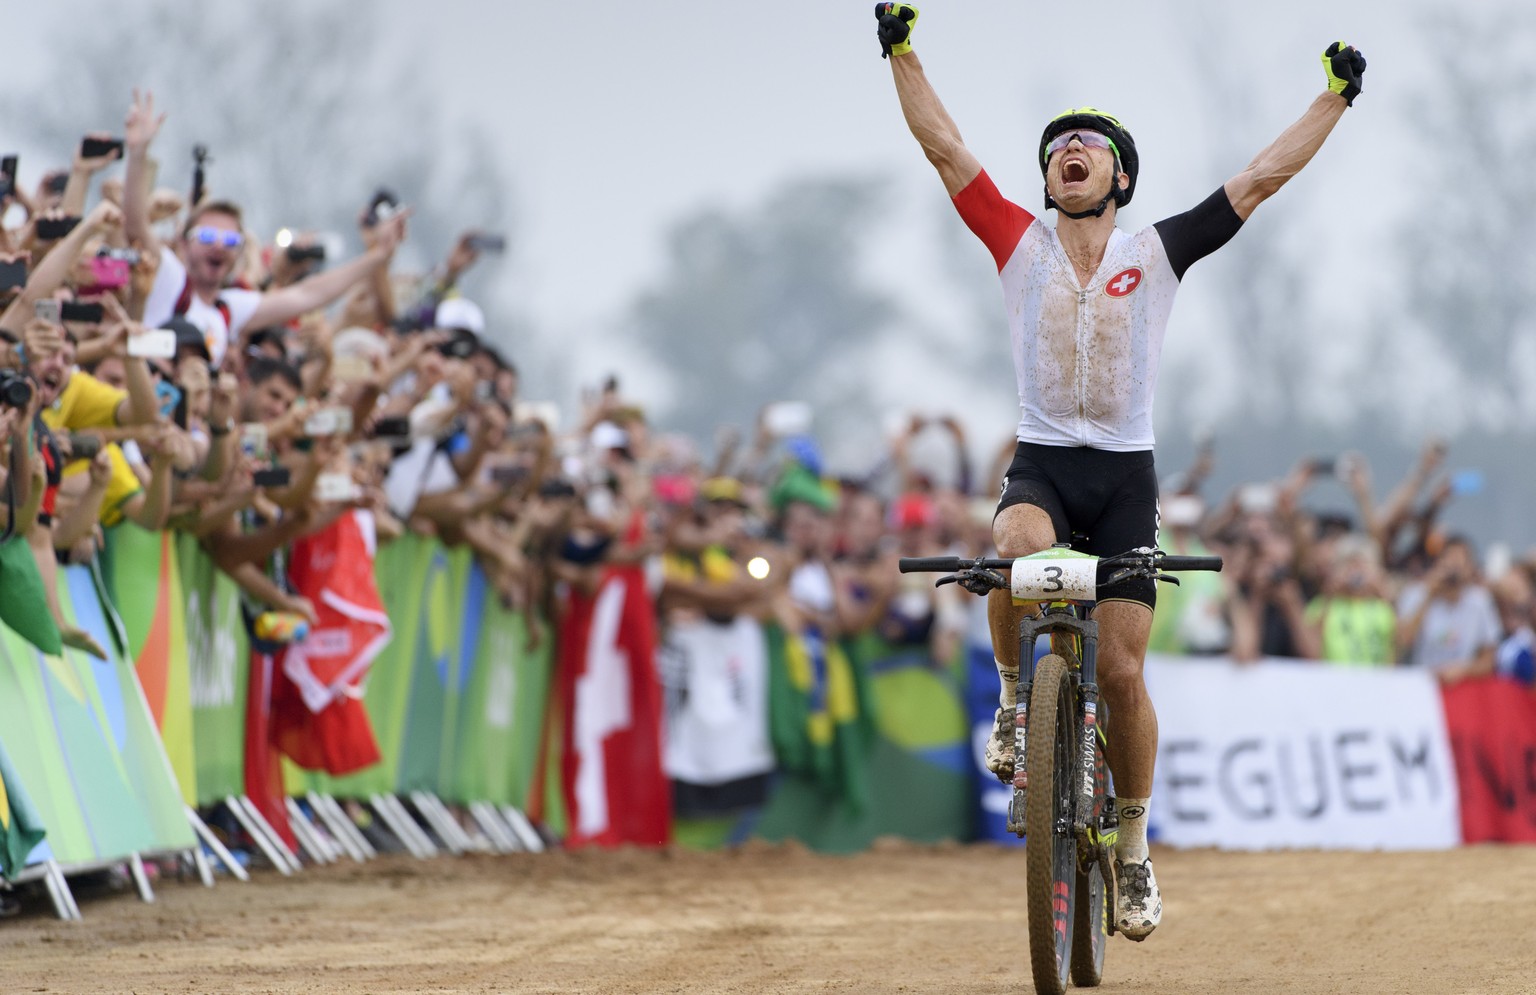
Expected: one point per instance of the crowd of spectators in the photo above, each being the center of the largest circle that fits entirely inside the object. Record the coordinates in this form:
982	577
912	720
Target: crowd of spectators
163	365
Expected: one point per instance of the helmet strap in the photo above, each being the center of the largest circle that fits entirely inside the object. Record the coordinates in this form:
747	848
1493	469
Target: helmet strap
1113	195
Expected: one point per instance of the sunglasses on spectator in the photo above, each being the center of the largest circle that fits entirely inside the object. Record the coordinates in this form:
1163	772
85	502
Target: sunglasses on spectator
1088	139
207	235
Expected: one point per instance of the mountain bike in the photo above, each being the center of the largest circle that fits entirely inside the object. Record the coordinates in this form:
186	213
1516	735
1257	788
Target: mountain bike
1061	803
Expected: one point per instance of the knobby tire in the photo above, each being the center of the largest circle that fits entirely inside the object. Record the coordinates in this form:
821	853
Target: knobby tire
1050	856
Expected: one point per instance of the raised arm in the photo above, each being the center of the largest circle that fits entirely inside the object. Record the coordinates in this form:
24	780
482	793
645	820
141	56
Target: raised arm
1296	146
139	130
312	292
931	124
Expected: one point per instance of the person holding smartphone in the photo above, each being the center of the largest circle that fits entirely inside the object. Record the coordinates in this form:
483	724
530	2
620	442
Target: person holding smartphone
194	284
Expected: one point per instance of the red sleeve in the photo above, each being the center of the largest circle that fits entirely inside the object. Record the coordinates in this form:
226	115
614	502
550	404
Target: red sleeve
997	221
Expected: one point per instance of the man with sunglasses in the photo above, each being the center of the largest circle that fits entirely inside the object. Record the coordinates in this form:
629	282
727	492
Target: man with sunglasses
194	285
1088	306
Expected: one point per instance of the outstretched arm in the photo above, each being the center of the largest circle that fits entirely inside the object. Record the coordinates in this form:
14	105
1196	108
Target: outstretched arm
1296	146
931	124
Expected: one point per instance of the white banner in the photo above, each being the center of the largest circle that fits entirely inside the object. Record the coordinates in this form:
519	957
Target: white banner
716	681
1282	754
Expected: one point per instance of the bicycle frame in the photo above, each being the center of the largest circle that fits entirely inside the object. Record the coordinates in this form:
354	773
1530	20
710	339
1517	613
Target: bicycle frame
1060	620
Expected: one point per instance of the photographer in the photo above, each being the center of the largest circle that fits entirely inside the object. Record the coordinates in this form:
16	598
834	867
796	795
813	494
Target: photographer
1352	621
1447	622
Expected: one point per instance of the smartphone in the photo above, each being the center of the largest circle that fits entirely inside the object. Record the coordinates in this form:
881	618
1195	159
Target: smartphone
56	182
784	418
305	253
1467	482
494	244
394	427
85	312
84	445
350	369
328	421
53	229
155	344
272	476
47	310
13	274
169	396
336	487
8	176
129	256
253	440
108	273
94	148
509	475
1322	467
382	207
461	346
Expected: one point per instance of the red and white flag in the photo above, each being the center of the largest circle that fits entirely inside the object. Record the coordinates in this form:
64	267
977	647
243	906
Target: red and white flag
318	717
614	785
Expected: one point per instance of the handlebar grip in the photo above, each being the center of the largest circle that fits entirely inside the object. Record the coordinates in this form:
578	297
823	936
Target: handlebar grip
1172	563
931	564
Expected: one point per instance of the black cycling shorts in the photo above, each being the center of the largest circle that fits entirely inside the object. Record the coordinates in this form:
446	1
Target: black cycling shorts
1101	502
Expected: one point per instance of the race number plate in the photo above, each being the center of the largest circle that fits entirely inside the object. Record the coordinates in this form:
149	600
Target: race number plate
1066	579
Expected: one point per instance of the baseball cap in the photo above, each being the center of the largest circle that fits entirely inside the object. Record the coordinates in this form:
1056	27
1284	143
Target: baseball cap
188	336
460	312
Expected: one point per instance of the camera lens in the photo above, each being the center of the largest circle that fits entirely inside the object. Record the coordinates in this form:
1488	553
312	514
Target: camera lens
15	391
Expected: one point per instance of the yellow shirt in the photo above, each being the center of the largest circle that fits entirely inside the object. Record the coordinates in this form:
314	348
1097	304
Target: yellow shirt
86	403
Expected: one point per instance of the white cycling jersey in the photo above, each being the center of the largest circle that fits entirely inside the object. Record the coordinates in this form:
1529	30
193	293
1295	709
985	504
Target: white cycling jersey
1086	355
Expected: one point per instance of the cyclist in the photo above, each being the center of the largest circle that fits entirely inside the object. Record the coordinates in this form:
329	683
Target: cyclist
1088	306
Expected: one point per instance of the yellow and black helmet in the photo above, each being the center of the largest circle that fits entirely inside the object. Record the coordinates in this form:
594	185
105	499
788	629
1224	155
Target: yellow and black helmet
1093	119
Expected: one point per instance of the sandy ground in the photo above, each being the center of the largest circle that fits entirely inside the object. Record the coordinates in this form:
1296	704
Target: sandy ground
900	918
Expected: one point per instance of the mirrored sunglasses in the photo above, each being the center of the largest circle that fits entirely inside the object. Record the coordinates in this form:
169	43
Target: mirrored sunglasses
221	237
1088	139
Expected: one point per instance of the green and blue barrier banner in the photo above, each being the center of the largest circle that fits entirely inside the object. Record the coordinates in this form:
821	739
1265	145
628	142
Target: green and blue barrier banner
218	651
144	585
82	743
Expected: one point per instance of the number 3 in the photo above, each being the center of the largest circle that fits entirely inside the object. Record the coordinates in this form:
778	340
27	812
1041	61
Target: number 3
1053	580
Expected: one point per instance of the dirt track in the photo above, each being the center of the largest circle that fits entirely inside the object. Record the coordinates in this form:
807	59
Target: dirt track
779	919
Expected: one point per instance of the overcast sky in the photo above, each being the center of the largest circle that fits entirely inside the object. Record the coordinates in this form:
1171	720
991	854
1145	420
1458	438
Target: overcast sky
614	119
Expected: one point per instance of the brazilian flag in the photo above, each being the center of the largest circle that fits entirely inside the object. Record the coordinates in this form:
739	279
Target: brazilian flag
819	714
20	829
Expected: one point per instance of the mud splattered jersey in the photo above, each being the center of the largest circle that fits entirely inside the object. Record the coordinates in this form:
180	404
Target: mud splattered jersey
1086	355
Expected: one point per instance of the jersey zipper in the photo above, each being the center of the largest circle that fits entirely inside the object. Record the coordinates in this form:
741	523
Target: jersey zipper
1081	371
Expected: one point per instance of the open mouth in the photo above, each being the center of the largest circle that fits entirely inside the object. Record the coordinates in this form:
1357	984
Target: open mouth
1074	171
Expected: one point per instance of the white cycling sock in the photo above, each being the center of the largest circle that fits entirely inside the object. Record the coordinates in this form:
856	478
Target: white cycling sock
1132	843
1008	693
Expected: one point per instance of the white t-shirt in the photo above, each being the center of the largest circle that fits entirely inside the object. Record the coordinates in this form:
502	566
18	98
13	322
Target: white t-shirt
171	280
1450	633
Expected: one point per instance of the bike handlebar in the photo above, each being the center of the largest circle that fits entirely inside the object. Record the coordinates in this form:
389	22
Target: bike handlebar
947	564
952	564
1211	563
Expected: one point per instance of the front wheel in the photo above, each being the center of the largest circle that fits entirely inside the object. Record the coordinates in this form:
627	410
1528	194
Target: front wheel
1050	845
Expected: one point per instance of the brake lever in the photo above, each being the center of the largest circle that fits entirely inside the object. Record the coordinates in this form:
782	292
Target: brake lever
947	579
1167	579
983	582
1124	573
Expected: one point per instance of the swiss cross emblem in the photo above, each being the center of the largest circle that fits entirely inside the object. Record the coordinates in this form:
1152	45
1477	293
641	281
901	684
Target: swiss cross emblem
1123	282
